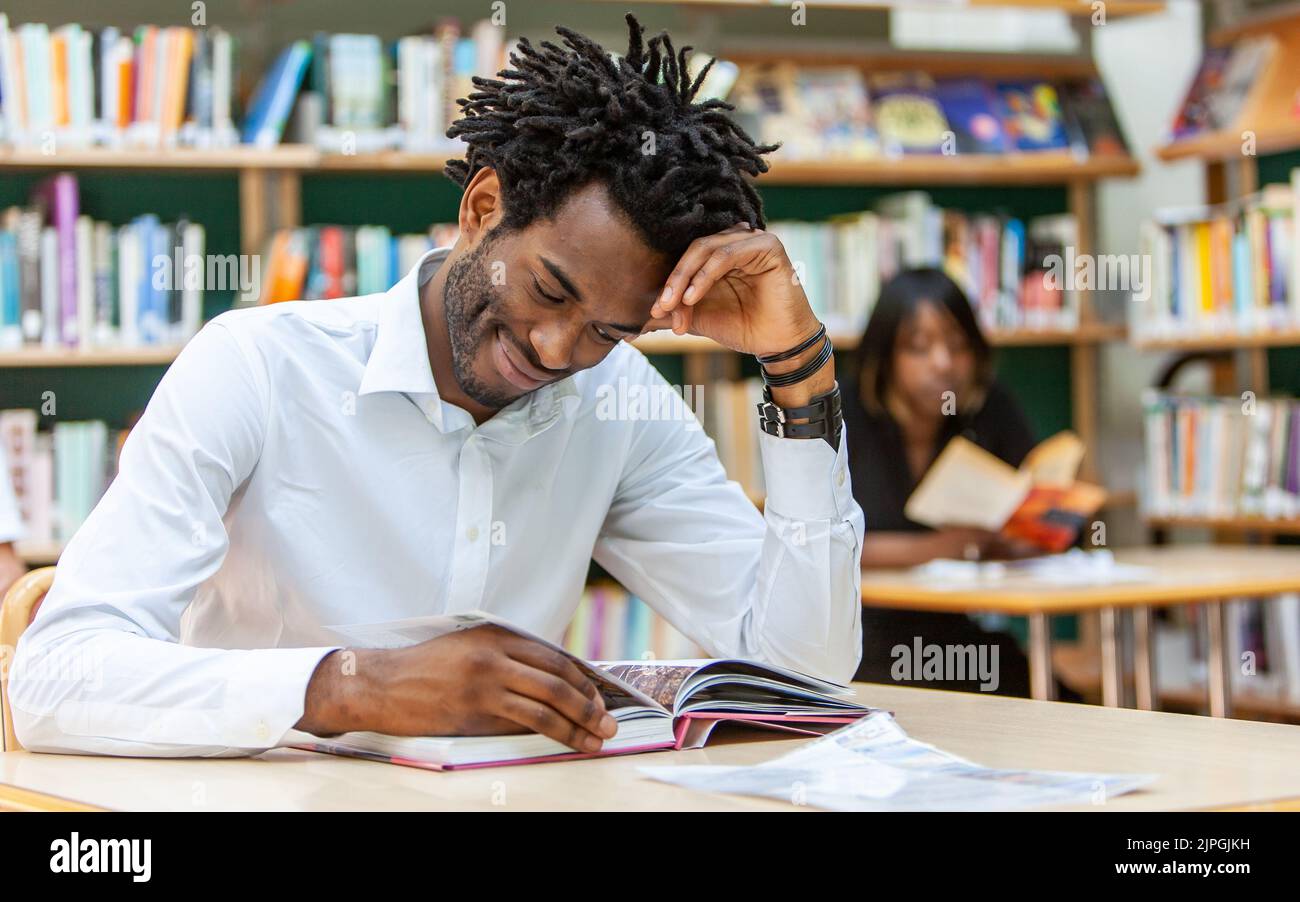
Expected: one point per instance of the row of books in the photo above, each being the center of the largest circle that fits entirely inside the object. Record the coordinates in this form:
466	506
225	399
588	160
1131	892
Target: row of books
998	260
1221	457
821	112
67	280
58	476
355	93
68	87
1267	629
1232	267
331	261
611	624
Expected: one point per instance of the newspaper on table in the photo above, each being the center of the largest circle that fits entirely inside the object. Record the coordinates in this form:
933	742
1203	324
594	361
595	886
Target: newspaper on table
873	765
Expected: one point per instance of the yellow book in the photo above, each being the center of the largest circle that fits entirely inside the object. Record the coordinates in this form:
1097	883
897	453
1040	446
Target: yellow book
1204	272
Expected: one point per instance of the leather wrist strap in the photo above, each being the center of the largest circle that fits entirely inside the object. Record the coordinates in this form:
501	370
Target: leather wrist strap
795	351
783	379
824	415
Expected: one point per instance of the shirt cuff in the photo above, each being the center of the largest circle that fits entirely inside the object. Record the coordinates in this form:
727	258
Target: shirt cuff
806	479
276	700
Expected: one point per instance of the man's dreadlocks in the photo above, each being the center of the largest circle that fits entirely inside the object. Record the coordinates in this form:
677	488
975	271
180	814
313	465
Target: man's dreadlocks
565	116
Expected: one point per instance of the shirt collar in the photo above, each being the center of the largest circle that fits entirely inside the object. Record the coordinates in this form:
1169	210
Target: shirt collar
399	361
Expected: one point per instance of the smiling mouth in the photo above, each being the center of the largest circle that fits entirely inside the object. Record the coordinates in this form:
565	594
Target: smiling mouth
517	372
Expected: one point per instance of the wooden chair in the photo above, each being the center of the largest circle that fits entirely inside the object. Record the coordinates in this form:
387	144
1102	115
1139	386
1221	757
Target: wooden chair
16	612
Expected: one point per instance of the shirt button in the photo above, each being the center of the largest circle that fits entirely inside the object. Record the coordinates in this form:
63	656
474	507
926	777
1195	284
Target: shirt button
839	477
472	533
261	731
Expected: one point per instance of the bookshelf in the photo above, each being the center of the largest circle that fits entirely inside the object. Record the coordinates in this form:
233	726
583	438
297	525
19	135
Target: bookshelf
1243	361
285	186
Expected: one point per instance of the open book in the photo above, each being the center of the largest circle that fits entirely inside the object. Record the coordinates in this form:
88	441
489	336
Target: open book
658	704
1041	503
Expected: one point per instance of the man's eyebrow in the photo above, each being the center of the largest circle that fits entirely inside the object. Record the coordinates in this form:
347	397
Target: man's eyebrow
560	277
572	289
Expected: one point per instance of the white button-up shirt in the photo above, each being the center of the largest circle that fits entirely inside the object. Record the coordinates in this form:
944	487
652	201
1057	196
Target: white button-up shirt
296	468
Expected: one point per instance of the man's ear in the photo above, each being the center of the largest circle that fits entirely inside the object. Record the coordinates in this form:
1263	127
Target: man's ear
481	209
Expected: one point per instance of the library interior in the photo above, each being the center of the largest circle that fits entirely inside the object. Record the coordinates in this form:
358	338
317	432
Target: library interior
1014	524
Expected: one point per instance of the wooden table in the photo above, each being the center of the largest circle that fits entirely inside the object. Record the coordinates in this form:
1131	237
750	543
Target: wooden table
1201	763
1180	574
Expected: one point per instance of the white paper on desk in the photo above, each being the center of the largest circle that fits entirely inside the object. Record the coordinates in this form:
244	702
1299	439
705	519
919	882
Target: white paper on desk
872	765
1075	567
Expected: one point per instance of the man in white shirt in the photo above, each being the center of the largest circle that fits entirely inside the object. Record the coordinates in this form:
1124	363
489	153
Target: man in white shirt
456	444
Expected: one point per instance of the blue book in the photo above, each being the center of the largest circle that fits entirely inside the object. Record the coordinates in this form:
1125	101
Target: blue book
971	108
10	294
1242	278
1031	116
148	322
273	99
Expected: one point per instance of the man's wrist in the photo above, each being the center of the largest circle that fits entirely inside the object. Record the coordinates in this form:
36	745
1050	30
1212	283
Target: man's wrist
803	391
341	692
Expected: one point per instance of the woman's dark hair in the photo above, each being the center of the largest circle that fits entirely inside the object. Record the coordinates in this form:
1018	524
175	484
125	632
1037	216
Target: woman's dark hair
899	299
563	116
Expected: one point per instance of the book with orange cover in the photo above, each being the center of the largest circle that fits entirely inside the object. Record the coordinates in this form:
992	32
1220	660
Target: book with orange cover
1041	503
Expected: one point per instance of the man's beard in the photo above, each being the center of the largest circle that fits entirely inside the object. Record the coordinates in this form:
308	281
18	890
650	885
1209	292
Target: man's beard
467	297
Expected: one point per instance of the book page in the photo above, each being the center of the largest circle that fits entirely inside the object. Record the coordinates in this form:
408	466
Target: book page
967	486
659	680
1055	461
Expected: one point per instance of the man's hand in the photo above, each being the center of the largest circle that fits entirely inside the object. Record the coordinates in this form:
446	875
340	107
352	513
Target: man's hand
740	289
479	681
11	567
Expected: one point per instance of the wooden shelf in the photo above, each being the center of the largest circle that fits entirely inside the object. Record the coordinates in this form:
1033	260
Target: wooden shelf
1220	341
160	355
287	156
1226	145
665	342
1287	526
963	169
1047	168
1078	8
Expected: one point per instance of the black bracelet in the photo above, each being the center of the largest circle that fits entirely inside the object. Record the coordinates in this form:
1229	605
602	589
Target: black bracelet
824	414
780	380
793	352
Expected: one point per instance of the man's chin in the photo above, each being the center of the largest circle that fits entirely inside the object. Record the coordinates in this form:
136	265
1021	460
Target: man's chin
489	392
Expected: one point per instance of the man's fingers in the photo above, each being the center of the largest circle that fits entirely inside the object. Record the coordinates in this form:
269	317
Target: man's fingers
587	712
699	251
542	718
540	657
731	257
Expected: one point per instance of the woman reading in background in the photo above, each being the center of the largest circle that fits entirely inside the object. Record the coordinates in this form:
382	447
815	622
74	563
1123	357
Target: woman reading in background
923	375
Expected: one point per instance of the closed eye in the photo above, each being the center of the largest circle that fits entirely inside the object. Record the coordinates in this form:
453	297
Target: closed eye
538	285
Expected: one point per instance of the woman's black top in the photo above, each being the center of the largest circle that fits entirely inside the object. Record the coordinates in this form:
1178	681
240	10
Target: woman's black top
882	483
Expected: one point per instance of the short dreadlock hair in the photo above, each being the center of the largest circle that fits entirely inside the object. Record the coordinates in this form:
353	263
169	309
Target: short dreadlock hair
565	116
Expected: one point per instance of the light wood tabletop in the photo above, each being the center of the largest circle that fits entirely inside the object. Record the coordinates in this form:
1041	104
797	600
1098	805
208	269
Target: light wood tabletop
1200	762
1175	575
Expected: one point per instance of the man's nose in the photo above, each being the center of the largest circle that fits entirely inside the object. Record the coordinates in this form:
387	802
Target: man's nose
554	343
